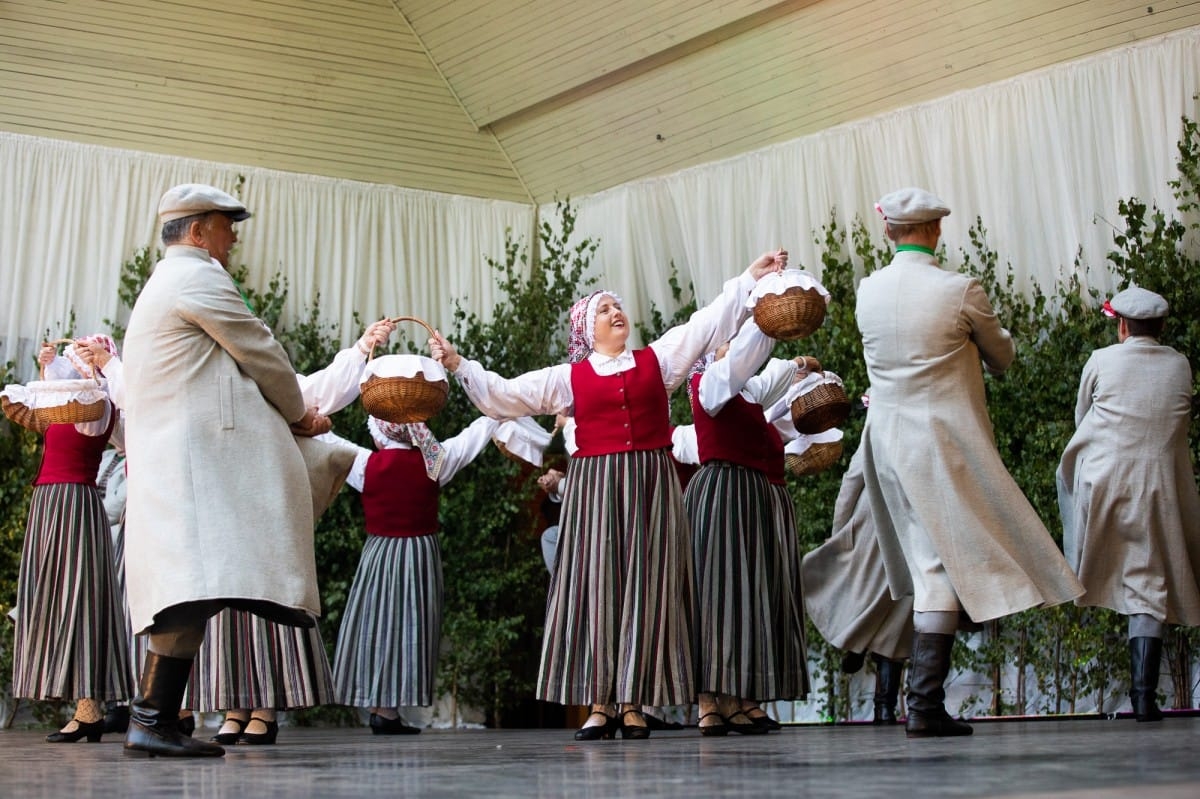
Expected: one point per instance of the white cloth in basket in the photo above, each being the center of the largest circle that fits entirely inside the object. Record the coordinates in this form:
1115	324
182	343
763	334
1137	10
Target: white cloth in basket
811	382
779	282
55	393
800	444
403	366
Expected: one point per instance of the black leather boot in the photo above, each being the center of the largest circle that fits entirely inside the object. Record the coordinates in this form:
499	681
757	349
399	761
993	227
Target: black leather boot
1145	656
116	718
887	688
154	714
927	716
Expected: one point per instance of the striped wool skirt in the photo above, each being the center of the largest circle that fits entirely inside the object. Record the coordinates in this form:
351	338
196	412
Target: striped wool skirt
248	662
387	649
741	595
70	640
619	614
137	643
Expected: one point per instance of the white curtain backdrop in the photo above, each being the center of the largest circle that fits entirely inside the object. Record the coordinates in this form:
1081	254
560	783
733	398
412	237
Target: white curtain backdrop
71	214
1042	159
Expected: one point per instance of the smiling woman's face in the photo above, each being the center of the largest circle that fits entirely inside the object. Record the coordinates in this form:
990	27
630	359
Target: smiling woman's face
612	326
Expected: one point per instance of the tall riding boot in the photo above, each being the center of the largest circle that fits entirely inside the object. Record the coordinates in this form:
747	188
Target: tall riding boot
927	716
154	714
1145	655
887	688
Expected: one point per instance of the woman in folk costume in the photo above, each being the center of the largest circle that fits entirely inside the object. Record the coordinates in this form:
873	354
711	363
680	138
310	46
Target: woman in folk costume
70	640
953	526
391	631
619	615
1127	489
251	667
749	620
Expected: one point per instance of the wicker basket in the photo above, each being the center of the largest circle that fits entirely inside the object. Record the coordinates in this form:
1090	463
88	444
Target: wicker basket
404	400
817	458
71	412
794	314
823	408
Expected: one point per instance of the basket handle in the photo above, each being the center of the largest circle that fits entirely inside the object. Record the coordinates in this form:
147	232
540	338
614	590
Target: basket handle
55	343
394	320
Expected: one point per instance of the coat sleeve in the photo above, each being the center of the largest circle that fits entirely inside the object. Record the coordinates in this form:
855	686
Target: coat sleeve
215	306
1087	389
994	342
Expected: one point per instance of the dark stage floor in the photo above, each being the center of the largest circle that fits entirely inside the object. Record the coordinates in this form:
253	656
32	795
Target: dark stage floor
1072	758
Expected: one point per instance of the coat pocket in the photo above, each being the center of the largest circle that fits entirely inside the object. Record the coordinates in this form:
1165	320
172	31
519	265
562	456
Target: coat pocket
225	400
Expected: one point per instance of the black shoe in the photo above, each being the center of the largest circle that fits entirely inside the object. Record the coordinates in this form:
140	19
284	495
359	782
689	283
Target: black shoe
396	726
655	723
154	714
742	724
260	738
763	720
597	732
116	719
230	738
187	725
636	732
927	716
91	730
714	730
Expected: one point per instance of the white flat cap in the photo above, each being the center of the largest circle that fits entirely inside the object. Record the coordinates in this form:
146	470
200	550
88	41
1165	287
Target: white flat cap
189	199
1138	303
911	206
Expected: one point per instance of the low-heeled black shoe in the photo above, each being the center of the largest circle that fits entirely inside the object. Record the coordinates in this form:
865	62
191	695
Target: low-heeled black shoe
655	723
396	726
116	719
763	720
597	732
635	732
91	730
228	738
746	727
260	738
714	730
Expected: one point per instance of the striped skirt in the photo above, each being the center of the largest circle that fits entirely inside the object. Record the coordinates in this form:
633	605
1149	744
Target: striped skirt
619	614
790	644
742	591
248	662
387	649
137	643
70	640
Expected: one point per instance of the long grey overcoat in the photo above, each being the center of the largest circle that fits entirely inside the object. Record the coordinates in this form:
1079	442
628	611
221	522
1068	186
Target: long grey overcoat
930	462
1126	490
219	499
846	591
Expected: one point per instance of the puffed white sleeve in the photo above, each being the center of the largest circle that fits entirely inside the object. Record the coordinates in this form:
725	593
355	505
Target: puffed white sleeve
114	374
465	447
336	386
703	332
684	447
726	378
542	391
771	385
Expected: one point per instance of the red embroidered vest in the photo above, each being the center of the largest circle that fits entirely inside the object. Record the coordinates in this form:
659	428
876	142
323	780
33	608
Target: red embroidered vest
399	500
738	433
622	412
69	456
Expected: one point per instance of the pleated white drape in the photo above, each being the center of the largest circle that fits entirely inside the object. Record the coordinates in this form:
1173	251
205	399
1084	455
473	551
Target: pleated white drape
71	214
1042	159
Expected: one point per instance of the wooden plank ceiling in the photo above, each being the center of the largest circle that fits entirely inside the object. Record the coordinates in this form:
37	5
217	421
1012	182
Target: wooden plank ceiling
519	100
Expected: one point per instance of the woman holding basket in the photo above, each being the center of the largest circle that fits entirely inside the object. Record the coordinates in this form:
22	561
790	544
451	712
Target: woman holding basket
619	615
70	635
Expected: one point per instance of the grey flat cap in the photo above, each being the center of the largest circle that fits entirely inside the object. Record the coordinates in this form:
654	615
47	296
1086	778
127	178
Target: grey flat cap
1138	303
911	206
189	199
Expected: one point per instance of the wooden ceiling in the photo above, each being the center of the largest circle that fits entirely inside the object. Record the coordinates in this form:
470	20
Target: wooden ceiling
522	100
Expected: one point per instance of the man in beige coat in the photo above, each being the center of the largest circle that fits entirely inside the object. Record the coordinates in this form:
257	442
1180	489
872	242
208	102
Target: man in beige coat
220	510
1127	492
954	528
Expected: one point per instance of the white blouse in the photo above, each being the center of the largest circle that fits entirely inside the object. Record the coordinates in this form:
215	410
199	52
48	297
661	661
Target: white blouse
735	373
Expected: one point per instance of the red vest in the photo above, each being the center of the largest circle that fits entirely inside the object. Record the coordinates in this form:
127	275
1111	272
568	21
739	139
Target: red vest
622	412
69	456
399	499
738	433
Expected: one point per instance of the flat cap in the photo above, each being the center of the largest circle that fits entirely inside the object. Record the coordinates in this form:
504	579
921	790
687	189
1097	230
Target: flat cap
1137	303
189	199
911	206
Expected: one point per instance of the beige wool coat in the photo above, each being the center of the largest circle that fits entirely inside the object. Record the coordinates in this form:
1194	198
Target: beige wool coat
219	499
846	592
930	463
1126	489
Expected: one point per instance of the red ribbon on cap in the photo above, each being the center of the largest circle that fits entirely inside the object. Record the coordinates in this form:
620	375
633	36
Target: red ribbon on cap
1107	310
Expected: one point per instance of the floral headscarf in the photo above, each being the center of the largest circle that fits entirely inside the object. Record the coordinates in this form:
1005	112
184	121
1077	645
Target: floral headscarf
583	325
388	434
698	368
